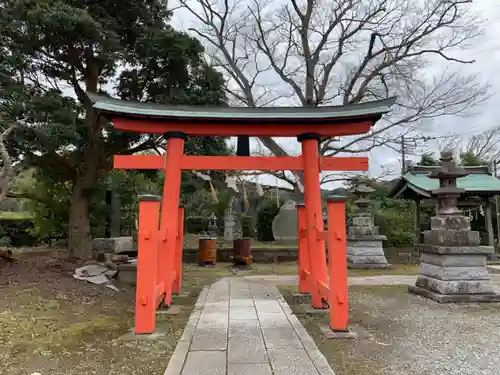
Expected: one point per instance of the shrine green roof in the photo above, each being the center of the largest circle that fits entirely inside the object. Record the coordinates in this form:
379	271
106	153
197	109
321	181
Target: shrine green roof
478	182
367	110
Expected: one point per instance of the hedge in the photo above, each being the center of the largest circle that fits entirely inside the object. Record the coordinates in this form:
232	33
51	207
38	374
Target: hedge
195	224
17	231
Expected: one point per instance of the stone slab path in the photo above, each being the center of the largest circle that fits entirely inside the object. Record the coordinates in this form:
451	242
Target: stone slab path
244	327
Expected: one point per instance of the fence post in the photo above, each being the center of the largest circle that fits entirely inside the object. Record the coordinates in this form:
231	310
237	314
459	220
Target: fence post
176	287
147	264
337	263
303	254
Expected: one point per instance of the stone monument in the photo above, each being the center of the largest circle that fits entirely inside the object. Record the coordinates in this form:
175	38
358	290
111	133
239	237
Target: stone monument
364	243
229	223
285	223
452	262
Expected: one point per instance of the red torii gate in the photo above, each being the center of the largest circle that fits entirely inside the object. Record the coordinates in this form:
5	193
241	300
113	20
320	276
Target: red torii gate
159	267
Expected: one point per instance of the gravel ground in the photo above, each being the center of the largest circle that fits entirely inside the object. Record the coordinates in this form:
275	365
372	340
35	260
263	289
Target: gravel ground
411	335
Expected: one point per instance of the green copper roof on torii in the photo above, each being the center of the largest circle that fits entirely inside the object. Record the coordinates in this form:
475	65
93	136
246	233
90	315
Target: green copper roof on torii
373	110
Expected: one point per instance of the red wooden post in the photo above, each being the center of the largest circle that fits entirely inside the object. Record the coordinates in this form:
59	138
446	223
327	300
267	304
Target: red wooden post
176	287
312	197
147	258
304	286
169	210
337	261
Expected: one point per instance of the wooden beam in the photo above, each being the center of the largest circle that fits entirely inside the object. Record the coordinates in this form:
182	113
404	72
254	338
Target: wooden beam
235	163
230	130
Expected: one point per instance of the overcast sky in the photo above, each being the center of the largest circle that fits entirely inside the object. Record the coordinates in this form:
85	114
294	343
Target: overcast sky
487	56
480	119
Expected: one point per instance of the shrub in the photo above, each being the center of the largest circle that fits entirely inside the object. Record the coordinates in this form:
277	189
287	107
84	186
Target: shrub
17	231
195	224
265	217
247	226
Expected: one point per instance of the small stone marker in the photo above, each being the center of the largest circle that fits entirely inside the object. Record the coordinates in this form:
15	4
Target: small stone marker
229	222
452	262
364	243
285	223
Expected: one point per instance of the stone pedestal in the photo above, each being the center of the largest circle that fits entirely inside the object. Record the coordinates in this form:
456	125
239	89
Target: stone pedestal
452	264
365	244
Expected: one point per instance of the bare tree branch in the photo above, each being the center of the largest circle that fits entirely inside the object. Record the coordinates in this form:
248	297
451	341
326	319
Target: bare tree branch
318	52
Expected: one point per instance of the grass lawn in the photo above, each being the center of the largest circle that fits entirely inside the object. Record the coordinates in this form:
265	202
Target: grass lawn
55	325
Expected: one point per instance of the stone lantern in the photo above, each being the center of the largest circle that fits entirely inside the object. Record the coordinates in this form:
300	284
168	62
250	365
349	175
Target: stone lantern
212	226
363	203
452	262
448	193
364	243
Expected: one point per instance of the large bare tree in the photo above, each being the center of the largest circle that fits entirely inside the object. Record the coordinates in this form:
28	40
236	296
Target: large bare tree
320	52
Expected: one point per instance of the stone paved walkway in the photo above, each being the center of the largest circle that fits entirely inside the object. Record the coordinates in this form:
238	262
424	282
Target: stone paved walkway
245	327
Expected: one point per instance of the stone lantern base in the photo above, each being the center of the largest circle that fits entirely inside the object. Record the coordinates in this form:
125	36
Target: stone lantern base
365	245
366	252
452	264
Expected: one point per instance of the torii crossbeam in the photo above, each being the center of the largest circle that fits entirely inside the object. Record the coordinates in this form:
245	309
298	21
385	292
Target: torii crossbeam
159	268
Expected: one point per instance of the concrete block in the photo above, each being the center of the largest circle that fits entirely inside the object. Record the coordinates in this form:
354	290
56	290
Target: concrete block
353	332
115	245
132	336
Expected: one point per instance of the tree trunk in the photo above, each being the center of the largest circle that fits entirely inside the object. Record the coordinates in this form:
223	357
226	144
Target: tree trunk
79	241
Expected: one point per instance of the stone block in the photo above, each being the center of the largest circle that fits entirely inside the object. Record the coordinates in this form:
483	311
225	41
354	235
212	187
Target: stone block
268	307
365	242
274	321
455	250
239	328
354	332
242	312
281	338
450	222
366	259
246	349
444	237
454	286
291	362
115	245
363	231
249	369
284	225
209	339
205	363
454	298
362	221
453	273
453	260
